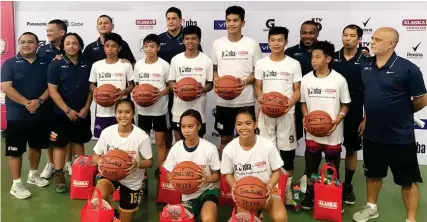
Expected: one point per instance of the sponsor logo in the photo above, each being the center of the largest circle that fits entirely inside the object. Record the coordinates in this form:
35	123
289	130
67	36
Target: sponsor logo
415	24
78	183
366	29
366	44
270	23
145	23
327	204
265	48
36	23
414	54
219	25
421	148
72	23
12	148
167	186
260	164
66	21
318	21
187	22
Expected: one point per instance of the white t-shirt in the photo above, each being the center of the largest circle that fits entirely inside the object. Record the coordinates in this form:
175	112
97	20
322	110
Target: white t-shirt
201	69
259	161
278	76
155	74
237	59
325	94
205	156
117	74
137	145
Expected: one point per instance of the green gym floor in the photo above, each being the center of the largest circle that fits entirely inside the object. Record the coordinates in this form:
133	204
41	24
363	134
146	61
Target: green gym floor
46	205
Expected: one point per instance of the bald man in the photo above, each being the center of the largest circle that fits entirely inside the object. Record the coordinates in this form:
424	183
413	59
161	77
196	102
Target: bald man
394	91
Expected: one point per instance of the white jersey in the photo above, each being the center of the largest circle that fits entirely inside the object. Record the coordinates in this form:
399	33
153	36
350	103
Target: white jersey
278	76
325	94
117	74
205	156
155	74
137	145
259	161
201	69
237	59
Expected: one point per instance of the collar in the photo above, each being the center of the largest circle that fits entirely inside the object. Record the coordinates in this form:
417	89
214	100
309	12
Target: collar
176	37
68	61
52	46
388	65
98	42
18	56
302	46
355	58
314	73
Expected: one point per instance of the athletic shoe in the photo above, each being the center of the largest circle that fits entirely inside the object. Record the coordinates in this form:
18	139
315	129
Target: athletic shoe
289	197
35	179
20	191
60	182
348	194
48	170
365	214
68	167
303	183
308	202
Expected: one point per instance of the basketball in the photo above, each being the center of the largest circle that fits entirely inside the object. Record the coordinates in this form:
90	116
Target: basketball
187	89
105	95
318	123
250	193
143	95
114	164
184	177
227	87
274	104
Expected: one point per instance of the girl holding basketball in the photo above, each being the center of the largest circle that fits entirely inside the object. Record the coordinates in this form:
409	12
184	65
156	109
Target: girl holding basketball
200	151
136	143
253	155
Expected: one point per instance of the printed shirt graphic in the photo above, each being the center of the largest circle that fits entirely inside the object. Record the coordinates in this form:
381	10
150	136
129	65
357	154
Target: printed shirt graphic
278	76
237	59
117	74
205	156
137	145
199	68
325	94
155	74
259	161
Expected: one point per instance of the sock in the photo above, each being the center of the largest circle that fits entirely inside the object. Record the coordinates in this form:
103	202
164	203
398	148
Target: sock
288	183
373	206
32	172
17	181
407	220
52	165
348	176
59	170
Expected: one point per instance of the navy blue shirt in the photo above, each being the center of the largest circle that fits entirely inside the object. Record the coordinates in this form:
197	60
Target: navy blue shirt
48	52
29	79
171	46
300	53
388	106
95	52
72	81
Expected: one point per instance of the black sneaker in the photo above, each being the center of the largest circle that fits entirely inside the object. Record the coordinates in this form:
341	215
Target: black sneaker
308	202
348	194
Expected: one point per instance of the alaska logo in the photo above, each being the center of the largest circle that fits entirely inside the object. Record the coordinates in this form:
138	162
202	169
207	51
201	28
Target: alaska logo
327	204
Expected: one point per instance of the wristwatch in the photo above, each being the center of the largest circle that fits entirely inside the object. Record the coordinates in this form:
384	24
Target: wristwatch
40	101
68	111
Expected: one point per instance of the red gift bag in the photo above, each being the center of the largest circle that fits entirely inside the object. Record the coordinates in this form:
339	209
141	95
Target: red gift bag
328	197
167	193
82	179
243	216
281	185
97	212
225	197
116	195
172	213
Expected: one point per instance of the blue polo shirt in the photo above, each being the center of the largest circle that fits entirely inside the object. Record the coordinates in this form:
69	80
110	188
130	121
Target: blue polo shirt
29	79
48	52
171	46
72	81
300	53
388	106
95	52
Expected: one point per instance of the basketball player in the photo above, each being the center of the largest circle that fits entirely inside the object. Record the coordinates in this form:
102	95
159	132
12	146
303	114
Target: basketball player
279	73
323	89
193	148
195	64
23	80
110	71
136	143
69	88
251	149
234	54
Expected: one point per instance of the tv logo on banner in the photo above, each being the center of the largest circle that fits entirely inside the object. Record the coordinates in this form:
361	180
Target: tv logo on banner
415	24
265	48
219	25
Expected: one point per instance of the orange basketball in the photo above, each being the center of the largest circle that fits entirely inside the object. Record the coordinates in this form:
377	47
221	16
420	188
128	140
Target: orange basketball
105	95
184	177
114	164
250	193
187	88
227	87
274	104
318	123
143	95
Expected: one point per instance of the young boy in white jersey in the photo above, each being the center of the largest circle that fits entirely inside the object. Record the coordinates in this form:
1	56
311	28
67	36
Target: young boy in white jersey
110	71
234	55
327	90
125	136
195	64
279	73
192	148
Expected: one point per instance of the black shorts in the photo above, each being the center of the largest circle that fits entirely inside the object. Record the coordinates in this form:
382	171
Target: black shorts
157	123
129	199
352	140
288	158
401	158
170	104
298	121
202	131
20	132
65	131
225	118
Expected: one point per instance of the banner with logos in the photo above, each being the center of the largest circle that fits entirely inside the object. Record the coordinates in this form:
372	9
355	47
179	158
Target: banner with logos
135	25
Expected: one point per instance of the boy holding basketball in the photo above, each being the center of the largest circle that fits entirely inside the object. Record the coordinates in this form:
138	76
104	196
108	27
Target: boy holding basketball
197	65
326	90
110	71
282	74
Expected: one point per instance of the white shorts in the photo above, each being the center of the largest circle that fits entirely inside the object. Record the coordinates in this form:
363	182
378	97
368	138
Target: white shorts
279	130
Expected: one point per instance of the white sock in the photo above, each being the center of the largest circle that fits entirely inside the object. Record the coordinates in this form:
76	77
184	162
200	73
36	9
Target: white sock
52	165
407	220
373	206
32	172
288	183
17	181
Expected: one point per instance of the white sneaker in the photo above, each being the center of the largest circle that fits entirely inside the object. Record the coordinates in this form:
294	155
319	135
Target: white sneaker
303	183
47	172
37	180
19	191
289	197
68	168
365	214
